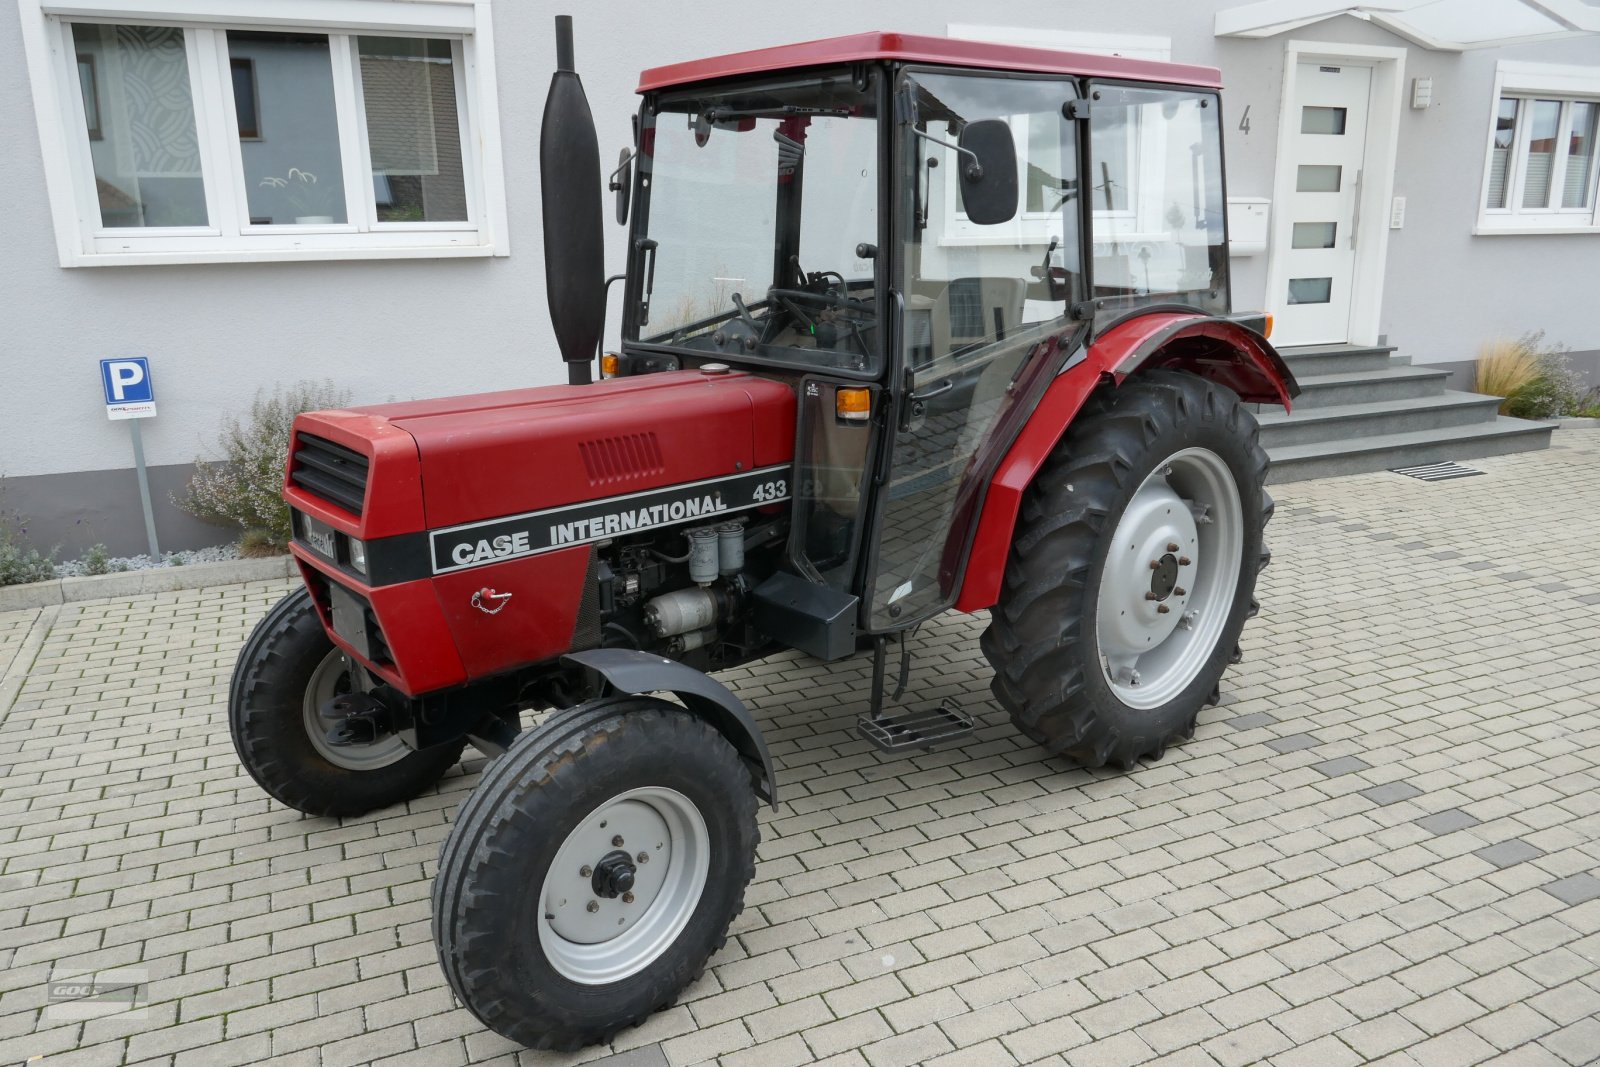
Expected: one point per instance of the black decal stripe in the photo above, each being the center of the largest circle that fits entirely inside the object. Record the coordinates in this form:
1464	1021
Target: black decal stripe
479	544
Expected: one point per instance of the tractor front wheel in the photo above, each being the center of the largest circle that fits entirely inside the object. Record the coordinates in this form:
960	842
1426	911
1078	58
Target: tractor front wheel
593	872
1132	571
286	671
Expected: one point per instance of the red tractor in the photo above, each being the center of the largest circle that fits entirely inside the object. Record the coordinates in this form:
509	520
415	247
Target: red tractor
908	324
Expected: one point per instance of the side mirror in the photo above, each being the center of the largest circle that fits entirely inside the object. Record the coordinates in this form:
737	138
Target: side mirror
988	172
621	183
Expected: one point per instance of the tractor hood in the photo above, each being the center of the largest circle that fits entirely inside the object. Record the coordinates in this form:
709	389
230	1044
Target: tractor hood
496	454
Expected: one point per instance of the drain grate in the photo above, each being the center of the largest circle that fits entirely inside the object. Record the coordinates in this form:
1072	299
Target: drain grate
1437	472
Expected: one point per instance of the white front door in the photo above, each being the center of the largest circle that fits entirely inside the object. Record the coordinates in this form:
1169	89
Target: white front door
1326	143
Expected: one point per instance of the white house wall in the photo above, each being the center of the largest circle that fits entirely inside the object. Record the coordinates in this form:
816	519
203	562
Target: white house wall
395	329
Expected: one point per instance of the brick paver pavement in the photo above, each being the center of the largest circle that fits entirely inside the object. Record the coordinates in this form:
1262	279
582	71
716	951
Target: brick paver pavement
1382	846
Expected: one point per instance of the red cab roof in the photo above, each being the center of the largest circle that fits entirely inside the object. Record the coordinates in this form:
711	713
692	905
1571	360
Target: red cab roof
910	48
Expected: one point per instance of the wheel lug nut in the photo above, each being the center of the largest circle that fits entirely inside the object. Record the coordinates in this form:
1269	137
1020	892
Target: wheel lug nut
586	872
1155	564
1183	561
593	905
643	857
1162	609
616	842
1179	590
627	898
1172	546
1149	596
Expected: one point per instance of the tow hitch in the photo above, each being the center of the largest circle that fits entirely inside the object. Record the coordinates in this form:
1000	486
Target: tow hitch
355	719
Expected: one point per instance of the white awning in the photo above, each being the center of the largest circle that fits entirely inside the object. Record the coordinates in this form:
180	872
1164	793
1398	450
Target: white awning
1444	25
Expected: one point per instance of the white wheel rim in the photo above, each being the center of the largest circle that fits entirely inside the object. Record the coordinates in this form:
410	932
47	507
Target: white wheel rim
323	687
592	938
1161	609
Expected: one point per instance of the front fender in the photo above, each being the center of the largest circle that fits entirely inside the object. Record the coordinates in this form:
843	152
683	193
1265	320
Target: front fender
630	671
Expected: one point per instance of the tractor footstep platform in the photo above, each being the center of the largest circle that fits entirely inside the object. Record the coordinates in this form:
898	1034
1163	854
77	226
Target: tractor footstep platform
916	729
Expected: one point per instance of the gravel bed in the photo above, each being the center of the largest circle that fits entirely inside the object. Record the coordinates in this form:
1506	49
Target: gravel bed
73	568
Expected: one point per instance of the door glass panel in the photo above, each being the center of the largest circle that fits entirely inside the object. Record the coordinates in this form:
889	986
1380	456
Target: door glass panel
1314	234
1310	290
292	169
1318	178
832	464
1505	136
140	125
1544	119
1322	120
1155	190
978	300
1576	189
408	90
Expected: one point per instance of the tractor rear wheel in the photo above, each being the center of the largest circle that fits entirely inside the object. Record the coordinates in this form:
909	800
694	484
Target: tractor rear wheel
593	872
287	669
1132	571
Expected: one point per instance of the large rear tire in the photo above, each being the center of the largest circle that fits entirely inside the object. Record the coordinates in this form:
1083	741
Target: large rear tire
593	872
287	668
1132	571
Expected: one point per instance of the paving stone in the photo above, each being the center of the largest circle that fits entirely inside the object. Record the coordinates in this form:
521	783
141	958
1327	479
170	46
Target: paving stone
1506	853
1391	792
1342	765
1574	889
1293	743
1447	821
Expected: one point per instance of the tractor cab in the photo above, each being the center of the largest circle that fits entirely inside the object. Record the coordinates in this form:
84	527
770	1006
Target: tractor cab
917	234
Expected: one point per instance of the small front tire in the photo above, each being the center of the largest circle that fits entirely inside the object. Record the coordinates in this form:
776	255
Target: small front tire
287	668
594	871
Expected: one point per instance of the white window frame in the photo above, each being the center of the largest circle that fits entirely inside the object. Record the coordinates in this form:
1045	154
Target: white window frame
229	237
1526	82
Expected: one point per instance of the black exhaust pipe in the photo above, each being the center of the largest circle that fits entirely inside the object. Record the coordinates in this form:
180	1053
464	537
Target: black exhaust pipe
574	248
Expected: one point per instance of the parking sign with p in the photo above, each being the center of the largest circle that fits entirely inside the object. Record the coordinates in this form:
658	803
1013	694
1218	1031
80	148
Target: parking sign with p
129	392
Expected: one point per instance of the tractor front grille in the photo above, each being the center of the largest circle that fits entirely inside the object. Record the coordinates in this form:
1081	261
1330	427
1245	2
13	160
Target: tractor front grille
329	471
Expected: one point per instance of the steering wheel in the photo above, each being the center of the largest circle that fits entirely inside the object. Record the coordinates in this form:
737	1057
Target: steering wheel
827	300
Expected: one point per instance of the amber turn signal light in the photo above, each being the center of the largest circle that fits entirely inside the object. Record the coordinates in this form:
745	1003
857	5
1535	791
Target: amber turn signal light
608	365
853	405
1268	331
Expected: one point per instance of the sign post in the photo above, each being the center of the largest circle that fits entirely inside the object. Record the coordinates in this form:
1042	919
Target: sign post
131	396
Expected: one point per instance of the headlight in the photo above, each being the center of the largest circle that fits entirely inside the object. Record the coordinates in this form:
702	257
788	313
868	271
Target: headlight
358	555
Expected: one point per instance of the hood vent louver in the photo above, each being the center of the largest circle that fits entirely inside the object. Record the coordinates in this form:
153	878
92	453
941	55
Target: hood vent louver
610	460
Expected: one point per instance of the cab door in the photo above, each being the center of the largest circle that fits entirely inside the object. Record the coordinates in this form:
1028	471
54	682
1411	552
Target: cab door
981	305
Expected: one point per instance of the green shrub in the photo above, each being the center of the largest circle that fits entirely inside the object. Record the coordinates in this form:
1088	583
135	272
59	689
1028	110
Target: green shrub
96	560
20	565
1554	390
245	488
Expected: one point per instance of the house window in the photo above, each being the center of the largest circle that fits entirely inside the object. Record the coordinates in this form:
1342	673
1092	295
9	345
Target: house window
193	142
1542	169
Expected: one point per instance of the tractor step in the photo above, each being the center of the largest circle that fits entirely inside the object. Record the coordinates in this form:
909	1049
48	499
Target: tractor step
916	729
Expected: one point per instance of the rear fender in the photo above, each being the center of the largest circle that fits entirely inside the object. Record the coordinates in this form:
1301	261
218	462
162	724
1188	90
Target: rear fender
1220	350
629	671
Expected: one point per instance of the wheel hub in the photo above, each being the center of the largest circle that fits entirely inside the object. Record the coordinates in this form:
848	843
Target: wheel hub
1165	577
613	876
1168	584
623	885
1143	572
